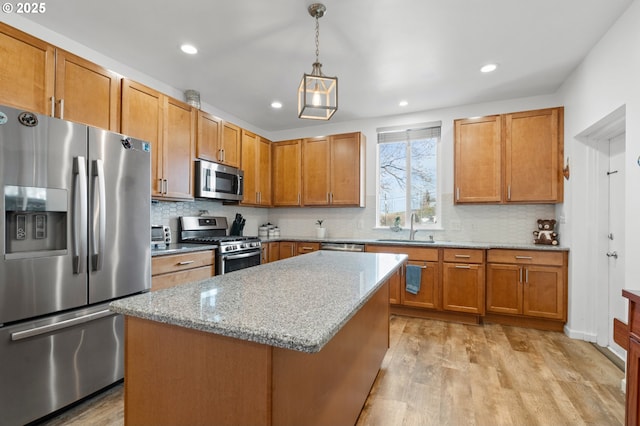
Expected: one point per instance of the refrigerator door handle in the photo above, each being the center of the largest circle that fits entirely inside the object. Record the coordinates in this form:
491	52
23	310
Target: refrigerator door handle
99	212
37	331
79	214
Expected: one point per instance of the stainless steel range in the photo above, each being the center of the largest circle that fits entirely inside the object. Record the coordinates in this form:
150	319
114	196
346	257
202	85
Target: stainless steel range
235	252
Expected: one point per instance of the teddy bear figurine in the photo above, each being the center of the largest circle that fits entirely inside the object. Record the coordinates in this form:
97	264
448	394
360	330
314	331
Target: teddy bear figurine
545	233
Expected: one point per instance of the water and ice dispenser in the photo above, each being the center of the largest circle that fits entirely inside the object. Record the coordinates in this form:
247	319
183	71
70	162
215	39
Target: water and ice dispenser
35	221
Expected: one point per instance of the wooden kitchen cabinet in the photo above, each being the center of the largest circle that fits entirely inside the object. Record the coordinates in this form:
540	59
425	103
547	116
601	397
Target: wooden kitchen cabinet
256	164
463	281
632	396
27	71
286	172
286	249
427	259
534	156
39	77
171	270
270	252
510	158
169	126
478	160
304	247
333	170
217	141
529	284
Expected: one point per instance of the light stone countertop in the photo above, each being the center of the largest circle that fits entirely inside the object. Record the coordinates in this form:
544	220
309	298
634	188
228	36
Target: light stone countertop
298	303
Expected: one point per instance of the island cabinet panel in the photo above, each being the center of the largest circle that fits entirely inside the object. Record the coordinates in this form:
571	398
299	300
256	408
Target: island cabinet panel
632	396
180	376
27	71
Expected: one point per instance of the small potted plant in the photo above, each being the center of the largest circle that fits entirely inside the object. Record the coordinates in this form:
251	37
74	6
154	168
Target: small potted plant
320	231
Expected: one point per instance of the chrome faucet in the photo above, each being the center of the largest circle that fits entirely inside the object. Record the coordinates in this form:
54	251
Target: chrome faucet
412	232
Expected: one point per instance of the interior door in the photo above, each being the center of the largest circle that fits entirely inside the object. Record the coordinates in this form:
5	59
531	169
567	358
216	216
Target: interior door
615	253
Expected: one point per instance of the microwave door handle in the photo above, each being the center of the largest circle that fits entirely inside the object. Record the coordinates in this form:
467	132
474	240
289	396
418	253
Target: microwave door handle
99	213
239	190
207	181
79	227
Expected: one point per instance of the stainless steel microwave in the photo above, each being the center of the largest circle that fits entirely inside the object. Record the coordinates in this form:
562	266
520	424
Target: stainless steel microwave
218	181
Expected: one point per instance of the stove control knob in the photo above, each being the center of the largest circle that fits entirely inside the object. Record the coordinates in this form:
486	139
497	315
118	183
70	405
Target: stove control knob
242	246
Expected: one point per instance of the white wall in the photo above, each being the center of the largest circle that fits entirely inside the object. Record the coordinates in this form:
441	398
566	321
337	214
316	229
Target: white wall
606	80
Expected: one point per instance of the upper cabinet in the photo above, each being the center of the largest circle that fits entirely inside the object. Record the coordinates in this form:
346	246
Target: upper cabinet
333	170
41	78
27	71
286	173
256	164
510	158
217	141
169	126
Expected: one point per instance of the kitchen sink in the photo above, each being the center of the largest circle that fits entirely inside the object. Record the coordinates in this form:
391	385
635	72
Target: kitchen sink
401	240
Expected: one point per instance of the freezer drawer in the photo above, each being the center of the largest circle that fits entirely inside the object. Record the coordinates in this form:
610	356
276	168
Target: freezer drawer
52	362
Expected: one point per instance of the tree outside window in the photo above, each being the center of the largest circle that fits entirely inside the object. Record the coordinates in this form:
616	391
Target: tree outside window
407	177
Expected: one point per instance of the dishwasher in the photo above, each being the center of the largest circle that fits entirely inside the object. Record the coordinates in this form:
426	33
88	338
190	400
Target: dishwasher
341	247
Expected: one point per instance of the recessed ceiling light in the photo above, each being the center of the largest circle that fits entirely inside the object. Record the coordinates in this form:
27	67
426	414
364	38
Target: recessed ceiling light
403	103
488	68
189	49
276	104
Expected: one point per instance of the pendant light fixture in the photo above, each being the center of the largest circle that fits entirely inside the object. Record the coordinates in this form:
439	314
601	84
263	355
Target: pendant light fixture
317	94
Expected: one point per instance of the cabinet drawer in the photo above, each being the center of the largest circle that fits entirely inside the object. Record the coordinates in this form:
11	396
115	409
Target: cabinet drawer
180	262
414	253
307	247
464	255
158	282
526	257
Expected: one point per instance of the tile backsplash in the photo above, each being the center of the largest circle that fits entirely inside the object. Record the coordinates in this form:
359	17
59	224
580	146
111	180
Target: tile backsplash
465	223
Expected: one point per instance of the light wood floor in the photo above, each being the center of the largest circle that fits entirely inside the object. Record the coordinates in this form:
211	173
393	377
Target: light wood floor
439	373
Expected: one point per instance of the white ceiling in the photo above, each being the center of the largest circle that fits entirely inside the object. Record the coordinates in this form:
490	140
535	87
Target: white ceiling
427	52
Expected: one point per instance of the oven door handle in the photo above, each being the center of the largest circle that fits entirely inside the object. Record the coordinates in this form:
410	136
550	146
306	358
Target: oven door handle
241	255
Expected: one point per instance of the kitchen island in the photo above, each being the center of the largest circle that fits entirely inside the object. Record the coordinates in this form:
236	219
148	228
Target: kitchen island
299	341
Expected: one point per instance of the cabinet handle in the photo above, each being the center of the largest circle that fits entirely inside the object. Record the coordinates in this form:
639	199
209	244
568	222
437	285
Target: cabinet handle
307	248
464	256
298	198
328	198
463	266
53	106
186	262
222	155
61	109
526	276
520	280
524	257
458	194
508	192
219	155
166	186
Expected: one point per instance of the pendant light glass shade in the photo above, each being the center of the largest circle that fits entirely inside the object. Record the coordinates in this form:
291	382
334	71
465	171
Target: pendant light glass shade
317	95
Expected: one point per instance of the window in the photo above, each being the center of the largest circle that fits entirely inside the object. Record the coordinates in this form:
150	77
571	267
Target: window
408	176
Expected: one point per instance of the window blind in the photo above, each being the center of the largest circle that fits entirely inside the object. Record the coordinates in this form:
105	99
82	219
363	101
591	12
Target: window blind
405	133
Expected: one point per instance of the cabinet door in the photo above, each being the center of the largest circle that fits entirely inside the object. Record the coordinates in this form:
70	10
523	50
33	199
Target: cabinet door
86	93
264	172
478	159
179	149
142	117
315	172
209	137
249	155
344	170
286	181
274	251
26	71
287	249
632	411
533	156
307	247
395	284
427	296
463	288
504	289
231	142
543	292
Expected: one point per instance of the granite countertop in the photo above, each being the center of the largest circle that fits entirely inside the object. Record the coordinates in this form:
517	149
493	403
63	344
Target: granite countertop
177	248
298	303
422	243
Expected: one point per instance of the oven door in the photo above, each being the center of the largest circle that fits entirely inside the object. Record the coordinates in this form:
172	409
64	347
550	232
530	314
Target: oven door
236	261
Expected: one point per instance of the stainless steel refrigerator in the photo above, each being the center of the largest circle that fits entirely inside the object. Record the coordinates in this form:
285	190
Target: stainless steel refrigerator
75	233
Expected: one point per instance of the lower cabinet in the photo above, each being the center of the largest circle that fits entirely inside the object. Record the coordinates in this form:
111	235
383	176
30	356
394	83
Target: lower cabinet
306	247
287	249
463	281
171	270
